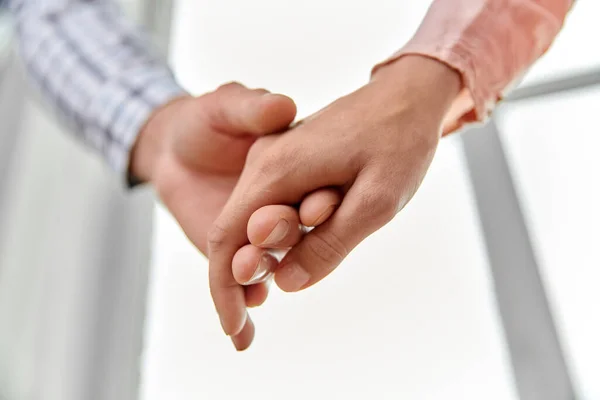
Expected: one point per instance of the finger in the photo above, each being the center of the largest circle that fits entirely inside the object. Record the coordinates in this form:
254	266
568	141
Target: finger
257	294
365	208
277	226
318	206
279	178
227	294
255	112
230	300
244	338
274	227
252	265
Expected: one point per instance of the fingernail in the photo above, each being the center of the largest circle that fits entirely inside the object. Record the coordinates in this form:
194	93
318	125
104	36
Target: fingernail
324	216
292	277
223	325
237	328
262	270
278	233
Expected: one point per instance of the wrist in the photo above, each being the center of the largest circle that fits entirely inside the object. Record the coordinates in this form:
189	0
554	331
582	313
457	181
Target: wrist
420	84
152	141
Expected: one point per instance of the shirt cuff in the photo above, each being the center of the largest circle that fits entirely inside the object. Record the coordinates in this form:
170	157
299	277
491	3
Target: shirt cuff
123	107
491	49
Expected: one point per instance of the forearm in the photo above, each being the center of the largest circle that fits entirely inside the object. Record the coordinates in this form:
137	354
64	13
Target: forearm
96	68
491	43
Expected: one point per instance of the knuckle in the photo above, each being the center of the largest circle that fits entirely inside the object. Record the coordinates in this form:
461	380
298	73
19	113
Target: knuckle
230	85
327	248
274	166
380	203
263	149
269	163
216	237
387	205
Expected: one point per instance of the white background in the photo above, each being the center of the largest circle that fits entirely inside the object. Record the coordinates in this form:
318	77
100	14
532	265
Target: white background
410	314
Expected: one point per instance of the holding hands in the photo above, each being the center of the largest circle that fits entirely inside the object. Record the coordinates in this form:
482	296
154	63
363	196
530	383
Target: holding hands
371	147
224	160
193	151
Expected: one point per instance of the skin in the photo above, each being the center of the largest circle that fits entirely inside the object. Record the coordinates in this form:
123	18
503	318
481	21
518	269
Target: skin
193	150
372	146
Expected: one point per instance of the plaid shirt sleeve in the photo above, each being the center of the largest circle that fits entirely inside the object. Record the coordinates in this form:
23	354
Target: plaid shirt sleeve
96	68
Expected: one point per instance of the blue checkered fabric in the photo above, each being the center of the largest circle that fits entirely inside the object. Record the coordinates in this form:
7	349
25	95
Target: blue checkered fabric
96	67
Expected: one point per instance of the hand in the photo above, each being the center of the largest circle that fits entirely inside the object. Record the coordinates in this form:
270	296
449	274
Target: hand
374	145
193	149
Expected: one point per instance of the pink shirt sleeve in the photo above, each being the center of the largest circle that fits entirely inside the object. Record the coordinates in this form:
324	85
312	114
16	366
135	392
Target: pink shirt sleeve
490	42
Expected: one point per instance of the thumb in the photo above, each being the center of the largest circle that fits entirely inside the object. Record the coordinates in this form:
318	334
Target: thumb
237	110
366	207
